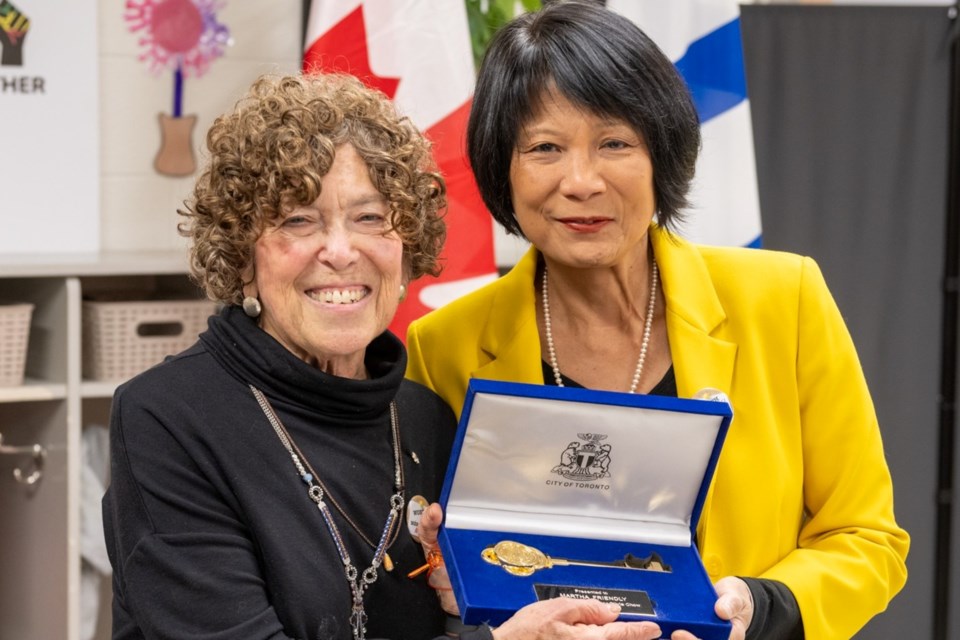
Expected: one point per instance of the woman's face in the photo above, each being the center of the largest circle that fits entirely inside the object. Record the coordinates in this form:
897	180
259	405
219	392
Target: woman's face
328	274
582	186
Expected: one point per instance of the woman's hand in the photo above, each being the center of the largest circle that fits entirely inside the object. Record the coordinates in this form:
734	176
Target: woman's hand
563	618
734	603
427	529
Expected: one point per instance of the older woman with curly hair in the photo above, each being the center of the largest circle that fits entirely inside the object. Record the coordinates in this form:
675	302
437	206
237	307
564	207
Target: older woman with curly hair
260	479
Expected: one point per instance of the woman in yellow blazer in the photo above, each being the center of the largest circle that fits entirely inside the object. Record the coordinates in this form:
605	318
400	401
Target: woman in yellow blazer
801	506
801	494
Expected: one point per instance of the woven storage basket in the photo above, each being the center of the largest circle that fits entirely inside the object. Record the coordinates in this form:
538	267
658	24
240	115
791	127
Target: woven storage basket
14	336
122	339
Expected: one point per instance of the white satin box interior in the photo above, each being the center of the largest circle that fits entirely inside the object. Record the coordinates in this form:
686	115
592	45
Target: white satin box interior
555	491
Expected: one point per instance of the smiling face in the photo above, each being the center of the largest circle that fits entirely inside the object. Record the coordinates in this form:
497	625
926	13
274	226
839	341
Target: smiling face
582	186
328	274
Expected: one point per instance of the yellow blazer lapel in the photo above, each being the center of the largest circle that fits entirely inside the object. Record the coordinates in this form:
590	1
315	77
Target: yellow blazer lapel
510	337
700	358
694	315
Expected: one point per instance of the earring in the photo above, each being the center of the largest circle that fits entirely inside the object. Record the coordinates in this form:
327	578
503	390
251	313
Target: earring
403	292
251	307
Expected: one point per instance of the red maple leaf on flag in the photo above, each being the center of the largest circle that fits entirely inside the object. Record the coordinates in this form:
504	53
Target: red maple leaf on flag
343	49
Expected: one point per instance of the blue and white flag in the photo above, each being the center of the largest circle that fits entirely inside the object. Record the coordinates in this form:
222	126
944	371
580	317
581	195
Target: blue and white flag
702	37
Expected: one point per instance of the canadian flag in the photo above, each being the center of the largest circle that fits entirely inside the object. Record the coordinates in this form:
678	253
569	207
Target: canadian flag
418	53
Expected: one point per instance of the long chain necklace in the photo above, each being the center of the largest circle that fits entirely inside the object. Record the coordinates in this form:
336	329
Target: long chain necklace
318	491
647	326
387	561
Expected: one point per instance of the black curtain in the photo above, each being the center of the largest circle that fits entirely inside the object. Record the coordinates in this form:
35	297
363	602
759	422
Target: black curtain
851	118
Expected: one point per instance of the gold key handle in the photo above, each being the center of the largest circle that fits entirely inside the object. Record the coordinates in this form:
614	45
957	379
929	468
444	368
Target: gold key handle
520	559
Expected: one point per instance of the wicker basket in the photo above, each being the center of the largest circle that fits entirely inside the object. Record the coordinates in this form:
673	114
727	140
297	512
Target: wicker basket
14	336
122	339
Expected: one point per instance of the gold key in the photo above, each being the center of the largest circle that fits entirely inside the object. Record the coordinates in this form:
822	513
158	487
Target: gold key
520	559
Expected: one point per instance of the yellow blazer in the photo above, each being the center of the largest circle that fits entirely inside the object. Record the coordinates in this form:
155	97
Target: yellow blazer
802	493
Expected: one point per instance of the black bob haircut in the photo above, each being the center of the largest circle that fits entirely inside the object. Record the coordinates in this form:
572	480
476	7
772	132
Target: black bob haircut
599	61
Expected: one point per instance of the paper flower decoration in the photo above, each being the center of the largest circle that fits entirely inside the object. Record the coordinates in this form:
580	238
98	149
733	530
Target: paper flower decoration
178	34
185	37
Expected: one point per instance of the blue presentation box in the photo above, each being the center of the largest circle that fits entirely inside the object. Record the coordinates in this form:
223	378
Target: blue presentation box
554	491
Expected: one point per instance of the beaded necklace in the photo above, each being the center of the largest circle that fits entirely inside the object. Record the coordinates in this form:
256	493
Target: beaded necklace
647	326
317	491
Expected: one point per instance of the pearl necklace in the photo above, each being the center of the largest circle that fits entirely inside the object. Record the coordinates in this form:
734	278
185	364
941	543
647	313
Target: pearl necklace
647	326
317	491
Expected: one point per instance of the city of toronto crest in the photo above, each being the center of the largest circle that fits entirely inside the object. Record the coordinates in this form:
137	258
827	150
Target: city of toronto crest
586	459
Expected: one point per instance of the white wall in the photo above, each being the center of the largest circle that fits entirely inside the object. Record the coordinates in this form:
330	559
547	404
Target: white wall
138	205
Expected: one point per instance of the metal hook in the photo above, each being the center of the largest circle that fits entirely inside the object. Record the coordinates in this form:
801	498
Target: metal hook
38	457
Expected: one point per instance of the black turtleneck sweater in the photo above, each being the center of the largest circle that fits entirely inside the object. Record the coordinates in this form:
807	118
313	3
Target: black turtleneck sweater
210	530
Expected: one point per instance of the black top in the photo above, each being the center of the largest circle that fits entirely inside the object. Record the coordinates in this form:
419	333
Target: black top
209	528
666	387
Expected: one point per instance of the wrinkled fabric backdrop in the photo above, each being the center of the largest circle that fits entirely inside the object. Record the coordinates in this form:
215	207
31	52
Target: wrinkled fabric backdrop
851	119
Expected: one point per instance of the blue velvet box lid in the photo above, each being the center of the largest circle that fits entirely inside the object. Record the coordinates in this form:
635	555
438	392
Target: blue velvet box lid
586	475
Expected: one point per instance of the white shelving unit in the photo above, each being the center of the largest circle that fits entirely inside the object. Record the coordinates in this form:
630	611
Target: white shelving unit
39	524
